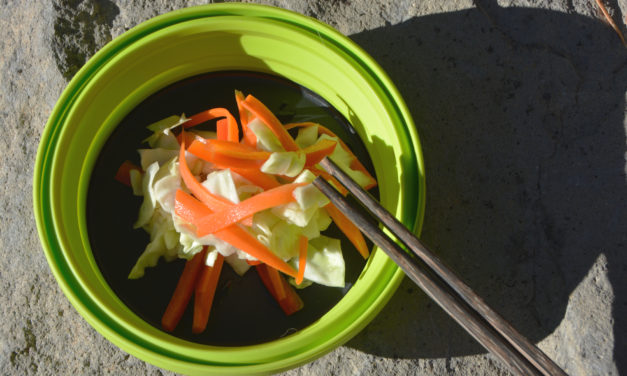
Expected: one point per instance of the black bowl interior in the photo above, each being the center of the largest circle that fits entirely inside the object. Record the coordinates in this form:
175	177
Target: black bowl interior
243	312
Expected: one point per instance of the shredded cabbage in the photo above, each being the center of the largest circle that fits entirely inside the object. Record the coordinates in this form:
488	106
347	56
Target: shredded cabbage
288	163
307	136
266	139
220	182
309	200
343	159
325	263
278	228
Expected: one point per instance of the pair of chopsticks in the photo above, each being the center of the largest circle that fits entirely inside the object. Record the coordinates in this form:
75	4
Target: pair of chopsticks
438	281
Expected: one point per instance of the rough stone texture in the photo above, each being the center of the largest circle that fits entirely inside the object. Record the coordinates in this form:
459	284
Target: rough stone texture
520	106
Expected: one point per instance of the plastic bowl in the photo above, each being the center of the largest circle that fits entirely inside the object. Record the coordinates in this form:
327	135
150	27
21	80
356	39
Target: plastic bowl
186	43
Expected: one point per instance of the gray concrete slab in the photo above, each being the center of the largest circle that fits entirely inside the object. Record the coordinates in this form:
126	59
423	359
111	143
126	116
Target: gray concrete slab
520	106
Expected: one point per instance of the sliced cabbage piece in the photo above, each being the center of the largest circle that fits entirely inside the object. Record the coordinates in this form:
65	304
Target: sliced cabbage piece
318	223
325	264
344	159
220	182
288	163
191	244
162	137
266	139
148	258
136	178
239	265
309	199
245	189
163	140
167	181
163	242
307	136
284	240
158	155
263	222
167	123
211	257
148	205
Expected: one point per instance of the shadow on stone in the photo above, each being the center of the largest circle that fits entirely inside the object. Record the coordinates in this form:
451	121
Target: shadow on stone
81	28
520	114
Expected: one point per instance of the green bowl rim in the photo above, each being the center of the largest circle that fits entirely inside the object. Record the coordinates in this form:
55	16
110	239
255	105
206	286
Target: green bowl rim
68	97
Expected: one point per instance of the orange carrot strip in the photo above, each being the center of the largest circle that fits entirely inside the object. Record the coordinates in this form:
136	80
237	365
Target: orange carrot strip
233	130
231	154
292	303
243	113
187	137
355	164
234	149
265	278
190	210
186	207
183	292
214	202
257	177
262	112
349	229
224	162
249	137
317	151
253	262
277	283
303	243
235	213
207	151
123	175
242	239
222	130
215	113
204	294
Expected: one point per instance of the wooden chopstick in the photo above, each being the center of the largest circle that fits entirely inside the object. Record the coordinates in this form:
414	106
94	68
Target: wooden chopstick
447	289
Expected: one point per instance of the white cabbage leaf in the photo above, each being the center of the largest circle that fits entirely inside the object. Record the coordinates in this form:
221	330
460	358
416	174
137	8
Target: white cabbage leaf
325	264
266	139
307	136
288	163
344	159
309	199
220	182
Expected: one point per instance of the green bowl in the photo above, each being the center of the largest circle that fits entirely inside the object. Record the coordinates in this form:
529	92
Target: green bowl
183	44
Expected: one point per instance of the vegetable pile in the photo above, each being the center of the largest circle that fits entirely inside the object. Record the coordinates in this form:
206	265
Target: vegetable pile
240	195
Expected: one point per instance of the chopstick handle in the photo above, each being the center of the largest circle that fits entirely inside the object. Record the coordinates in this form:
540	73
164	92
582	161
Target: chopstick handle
534	355
459	311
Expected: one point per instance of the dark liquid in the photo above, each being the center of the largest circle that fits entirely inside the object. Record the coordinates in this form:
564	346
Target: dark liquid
243	312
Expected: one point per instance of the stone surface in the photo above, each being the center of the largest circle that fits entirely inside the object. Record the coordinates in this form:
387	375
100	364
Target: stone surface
520	106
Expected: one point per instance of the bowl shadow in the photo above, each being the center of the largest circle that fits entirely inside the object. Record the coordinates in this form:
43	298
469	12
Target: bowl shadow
520	115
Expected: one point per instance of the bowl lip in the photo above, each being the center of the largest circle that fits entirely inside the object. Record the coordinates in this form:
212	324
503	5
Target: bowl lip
74	88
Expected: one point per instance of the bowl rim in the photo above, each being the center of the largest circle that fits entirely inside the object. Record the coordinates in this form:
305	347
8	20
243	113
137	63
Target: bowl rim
78	83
